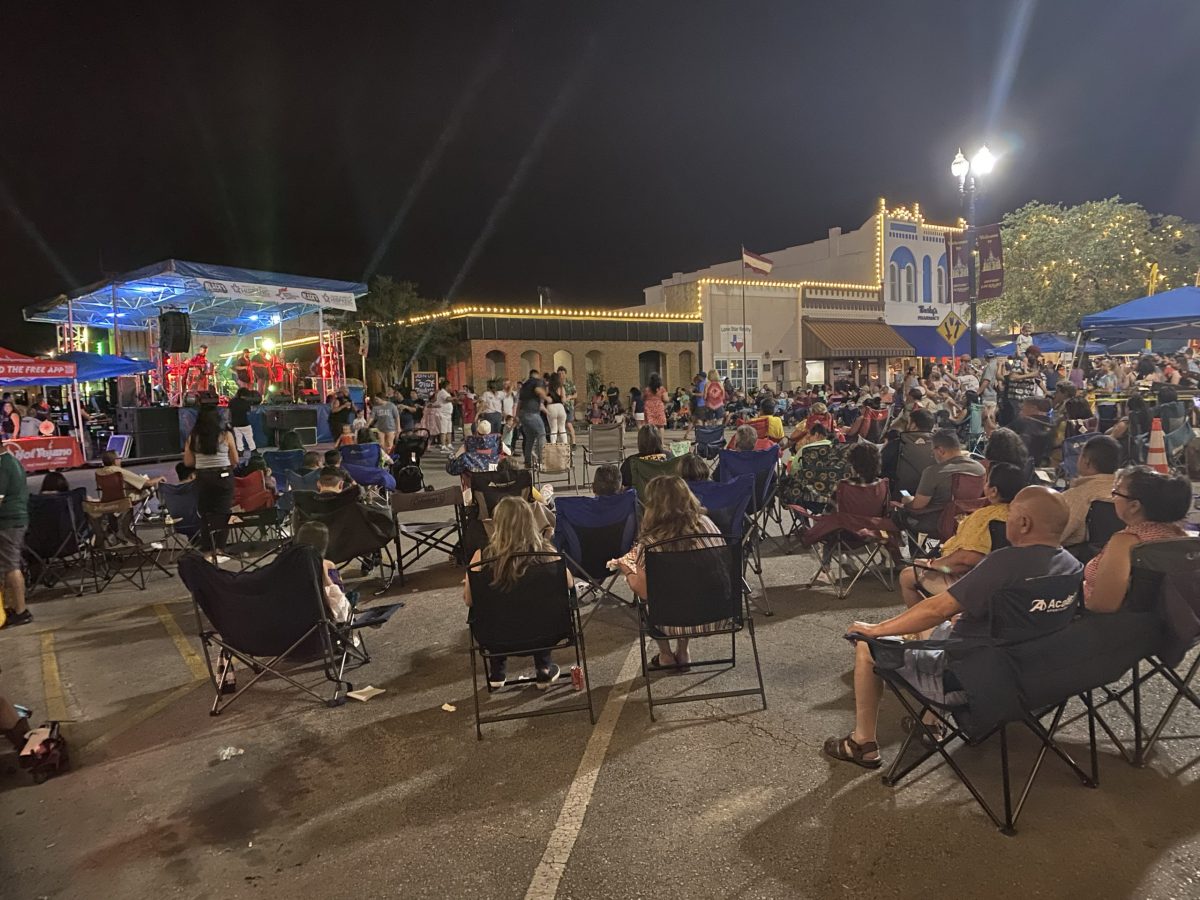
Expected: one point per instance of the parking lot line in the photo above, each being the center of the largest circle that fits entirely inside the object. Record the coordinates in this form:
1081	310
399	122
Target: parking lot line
190	656
140	716
56	704
549	873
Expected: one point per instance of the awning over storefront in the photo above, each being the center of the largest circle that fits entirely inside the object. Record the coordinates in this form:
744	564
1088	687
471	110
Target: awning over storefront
928	341
848	340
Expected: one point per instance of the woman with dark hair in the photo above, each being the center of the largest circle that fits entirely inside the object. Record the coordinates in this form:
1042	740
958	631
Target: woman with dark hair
1152	506
654	401
289	440
1136	421
693	468
211	451
54	483
10	420
556	409
1005	445
650	446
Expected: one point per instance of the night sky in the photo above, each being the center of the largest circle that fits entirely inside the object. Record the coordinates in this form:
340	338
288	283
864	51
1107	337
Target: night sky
591	147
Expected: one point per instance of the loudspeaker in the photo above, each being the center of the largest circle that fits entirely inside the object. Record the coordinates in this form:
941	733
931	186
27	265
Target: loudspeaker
174	331
308	436
155	429
374	340
156	443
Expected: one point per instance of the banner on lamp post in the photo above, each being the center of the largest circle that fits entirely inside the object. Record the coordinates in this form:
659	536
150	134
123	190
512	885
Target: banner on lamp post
991	263
960	274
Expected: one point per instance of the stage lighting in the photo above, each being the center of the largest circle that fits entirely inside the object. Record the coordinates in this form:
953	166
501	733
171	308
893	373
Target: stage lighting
268	344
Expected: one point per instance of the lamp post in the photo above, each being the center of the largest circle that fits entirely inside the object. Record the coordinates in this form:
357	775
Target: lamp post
970	175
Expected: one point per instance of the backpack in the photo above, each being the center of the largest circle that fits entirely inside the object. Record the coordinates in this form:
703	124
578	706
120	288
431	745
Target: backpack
410	479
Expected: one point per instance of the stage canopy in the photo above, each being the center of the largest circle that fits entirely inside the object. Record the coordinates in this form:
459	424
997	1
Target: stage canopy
220	299
98	366
927	341
17	369
1171	314
1051	343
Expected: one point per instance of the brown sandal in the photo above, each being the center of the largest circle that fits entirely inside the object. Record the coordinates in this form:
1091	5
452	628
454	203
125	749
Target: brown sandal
849	750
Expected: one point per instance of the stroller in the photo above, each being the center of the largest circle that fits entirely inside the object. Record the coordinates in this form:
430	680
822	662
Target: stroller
406	460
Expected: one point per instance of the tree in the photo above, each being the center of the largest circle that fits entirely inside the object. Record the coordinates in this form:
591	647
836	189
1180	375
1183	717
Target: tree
389	303
1061	263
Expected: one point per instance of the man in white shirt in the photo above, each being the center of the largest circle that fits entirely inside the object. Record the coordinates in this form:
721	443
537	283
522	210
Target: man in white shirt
507	399
491	407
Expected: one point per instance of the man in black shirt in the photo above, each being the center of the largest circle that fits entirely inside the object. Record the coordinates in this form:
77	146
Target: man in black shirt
1037	578
239	418
529	412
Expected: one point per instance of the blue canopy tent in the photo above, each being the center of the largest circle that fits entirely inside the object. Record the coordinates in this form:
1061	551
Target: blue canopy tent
1051	343
926	341
1171	314
98	366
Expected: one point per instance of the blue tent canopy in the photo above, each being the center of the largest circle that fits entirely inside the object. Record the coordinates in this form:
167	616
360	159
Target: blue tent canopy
1051	343
1166	346
926	341
98	366
220	299
1171	314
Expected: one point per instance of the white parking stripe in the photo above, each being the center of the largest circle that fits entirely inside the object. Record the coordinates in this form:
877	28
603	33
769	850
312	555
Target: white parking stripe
549	872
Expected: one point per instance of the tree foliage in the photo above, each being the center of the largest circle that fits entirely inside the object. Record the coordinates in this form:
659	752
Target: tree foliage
388	303
1061	263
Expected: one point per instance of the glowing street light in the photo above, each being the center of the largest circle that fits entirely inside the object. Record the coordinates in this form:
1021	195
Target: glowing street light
969	175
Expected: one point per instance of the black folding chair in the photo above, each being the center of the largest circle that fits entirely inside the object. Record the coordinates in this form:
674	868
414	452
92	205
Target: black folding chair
181	524
120	554
57	540
536	615
708	441
444	534
694	589
357	530
590	531
728	505
254	537
274	620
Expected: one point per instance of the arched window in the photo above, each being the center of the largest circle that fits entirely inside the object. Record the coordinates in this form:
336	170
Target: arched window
941	284
687	367
910	283
926	280
530	360
903	283
565	359
495	365
894	282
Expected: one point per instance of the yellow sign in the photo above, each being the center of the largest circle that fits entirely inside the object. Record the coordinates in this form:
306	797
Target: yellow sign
952	328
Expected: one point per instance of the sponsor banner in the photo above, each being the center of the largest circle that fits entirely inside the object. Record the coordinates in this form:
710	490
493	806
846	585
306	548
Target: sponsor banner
271	293
40	454
960	273
35	368
737	338
991	263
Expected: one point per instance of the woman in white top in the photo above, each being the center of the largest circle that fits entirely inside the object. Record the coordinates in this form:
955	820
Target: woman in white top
211	451
491	407
443	402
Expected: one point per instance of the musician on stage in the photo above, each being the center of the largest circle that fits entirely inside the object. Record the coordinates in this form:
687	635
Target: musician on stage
243	367
260	367
197	370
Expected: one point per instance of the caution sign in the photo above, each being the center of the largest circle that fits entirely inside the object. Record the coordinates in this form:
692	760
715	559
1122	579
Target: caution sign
952	328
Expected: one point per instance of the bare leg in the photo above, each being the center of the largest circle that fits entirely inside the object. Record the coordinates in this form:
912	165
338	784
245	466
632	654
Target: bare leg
681	652
908	587
14	590
868	693
665	656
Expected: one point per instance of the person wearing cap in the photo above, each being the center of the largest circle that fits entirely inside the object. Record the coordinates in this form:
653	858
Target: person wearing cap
967	379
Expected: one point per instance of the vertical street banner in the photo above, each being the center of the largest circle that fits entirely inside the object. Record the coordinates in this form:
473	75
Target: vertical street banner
960	274
991	263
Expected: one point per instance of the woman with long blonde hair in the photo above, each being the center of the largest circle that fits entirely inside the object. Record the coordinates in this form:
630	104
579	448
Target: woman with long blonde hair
514	532
671	511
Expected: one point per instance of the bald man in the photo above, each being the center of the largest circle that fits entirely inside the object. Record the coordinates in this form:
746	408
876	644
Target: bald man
1035	568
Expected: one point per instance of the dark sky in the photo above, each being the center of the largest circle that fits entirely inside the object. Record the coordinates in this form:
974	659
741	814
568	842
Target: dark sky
592	147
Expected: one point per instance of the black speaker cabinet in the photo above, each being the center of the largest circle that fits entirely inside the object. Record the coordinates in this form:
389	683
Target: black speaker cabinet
155	429
174	331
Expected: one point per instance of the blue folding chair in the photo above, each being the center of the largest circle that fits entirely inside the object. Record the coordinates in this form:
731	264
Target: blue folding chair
763	465
364	455
1072	449
709	441
727	504
370	476
589	531
280	462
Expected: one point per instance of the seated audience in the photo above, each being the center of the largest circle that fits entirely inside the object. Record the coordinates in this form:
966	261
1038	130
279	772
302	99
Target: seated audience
136	486
920	513
1036	519
817	434
333	460
774	424
1097	465
862	460
913	440
650	446
1005	445
514	532
289	440
693	468
184	473
312	462
745	438
671	511
1152	506
54	483
607	481
483	427
316	535
331	481
818	414
971	542
367	435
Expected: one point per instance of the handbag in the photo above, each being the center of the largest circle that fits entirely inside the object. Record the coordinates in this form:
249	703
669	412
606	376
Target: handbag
556	457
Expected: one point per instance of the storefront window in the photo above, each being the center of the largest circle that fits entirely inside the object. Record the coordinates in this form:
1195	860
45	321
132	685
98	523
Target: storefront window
731	367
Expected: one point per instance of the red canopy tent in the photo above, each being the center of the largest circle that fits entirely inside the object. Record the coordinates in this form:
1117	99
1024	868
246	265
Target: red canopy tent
18	369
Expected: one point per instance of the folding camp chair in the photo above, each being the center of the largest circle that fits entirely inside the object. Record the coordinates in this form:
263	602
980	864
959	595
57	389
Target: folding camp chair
1072	449
605	445
556	459
728	504
966	496
708	441
858	531
365	455
357	530
643	471
536	615
111	488
250	492
57	540
377	482
694	590
116	550
762	464
915	456
181	524
444	534
275	621
588	532
875	424
254	537
489	488
280	462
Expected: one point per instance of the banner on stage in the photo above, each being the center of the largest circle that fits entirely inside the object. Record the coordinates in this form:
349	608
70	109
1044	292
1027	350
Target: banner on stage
40	454
271	293
991	263
425	384
960	274
35	368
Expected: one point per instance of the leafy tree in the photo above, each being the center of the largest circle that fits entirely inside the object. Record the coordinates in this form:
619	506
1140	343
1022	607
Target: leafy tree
1061	263
388	303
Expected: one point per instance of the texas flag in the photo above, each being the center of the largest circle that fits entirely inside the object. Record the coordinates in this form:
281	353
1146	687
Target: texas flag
759	264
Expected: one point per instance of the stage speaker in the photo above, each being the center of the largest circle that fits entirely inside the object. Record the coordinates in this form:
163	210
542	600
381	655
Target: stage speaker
374	340
308	436
174	331
155	429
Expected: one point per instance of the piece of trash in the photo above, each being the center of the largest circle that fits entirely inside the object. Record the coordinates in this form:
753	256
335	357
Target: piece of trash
251	844
449	707
229	753
365	694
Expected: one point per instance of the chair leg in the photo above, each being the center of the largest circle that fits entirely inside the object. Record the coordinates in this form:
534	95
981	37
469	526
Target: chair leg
642	638
1004	774
475	688
1182	685
762	689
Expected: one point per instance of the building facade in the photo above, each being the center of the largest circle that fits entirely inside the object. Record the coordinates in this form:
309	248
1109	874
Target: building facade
843	307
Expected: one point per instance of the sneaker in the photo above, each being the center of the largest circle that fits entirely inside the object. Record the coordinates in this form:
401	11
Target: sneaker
496	678
547	677
17	618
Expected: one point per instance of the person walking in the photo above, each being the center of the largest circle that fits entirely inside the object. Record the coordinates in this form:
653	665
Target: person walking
654	398
211	452
385	417
239	418
14	520
529	406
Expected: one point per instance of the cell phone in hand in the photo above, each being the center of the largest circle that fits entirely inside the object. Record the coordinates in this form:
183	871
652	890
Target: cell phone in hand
906	495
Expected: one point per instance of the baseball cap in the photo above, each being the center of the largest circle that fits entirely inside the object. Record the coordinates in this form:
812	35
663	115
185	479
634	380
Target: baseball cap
990	354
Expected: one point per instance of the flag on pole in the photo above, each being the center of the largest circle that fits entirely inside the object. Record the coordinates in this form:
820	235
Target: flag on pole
759	264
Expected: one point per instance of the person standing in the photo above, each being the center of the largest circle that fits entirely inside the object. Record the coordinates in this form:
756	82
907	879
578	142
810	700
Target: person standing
10	421
211	452
570	396
654	401
714	398
443	402
491	408
529	406
239	418
243	368
14	519
341	412
556	410
386	418
260	371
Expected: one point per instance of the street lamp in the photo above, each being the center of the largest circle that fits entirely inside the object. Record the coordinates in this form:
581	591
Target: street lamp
969	175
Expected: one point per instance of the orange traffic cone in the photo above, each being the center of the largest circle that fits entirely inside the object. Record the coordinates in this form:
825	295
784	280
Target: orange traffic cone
1156	458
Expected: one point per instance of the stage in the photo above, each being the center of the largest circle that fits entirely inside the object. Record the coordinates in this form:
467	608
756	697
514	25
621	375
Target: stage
268	418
